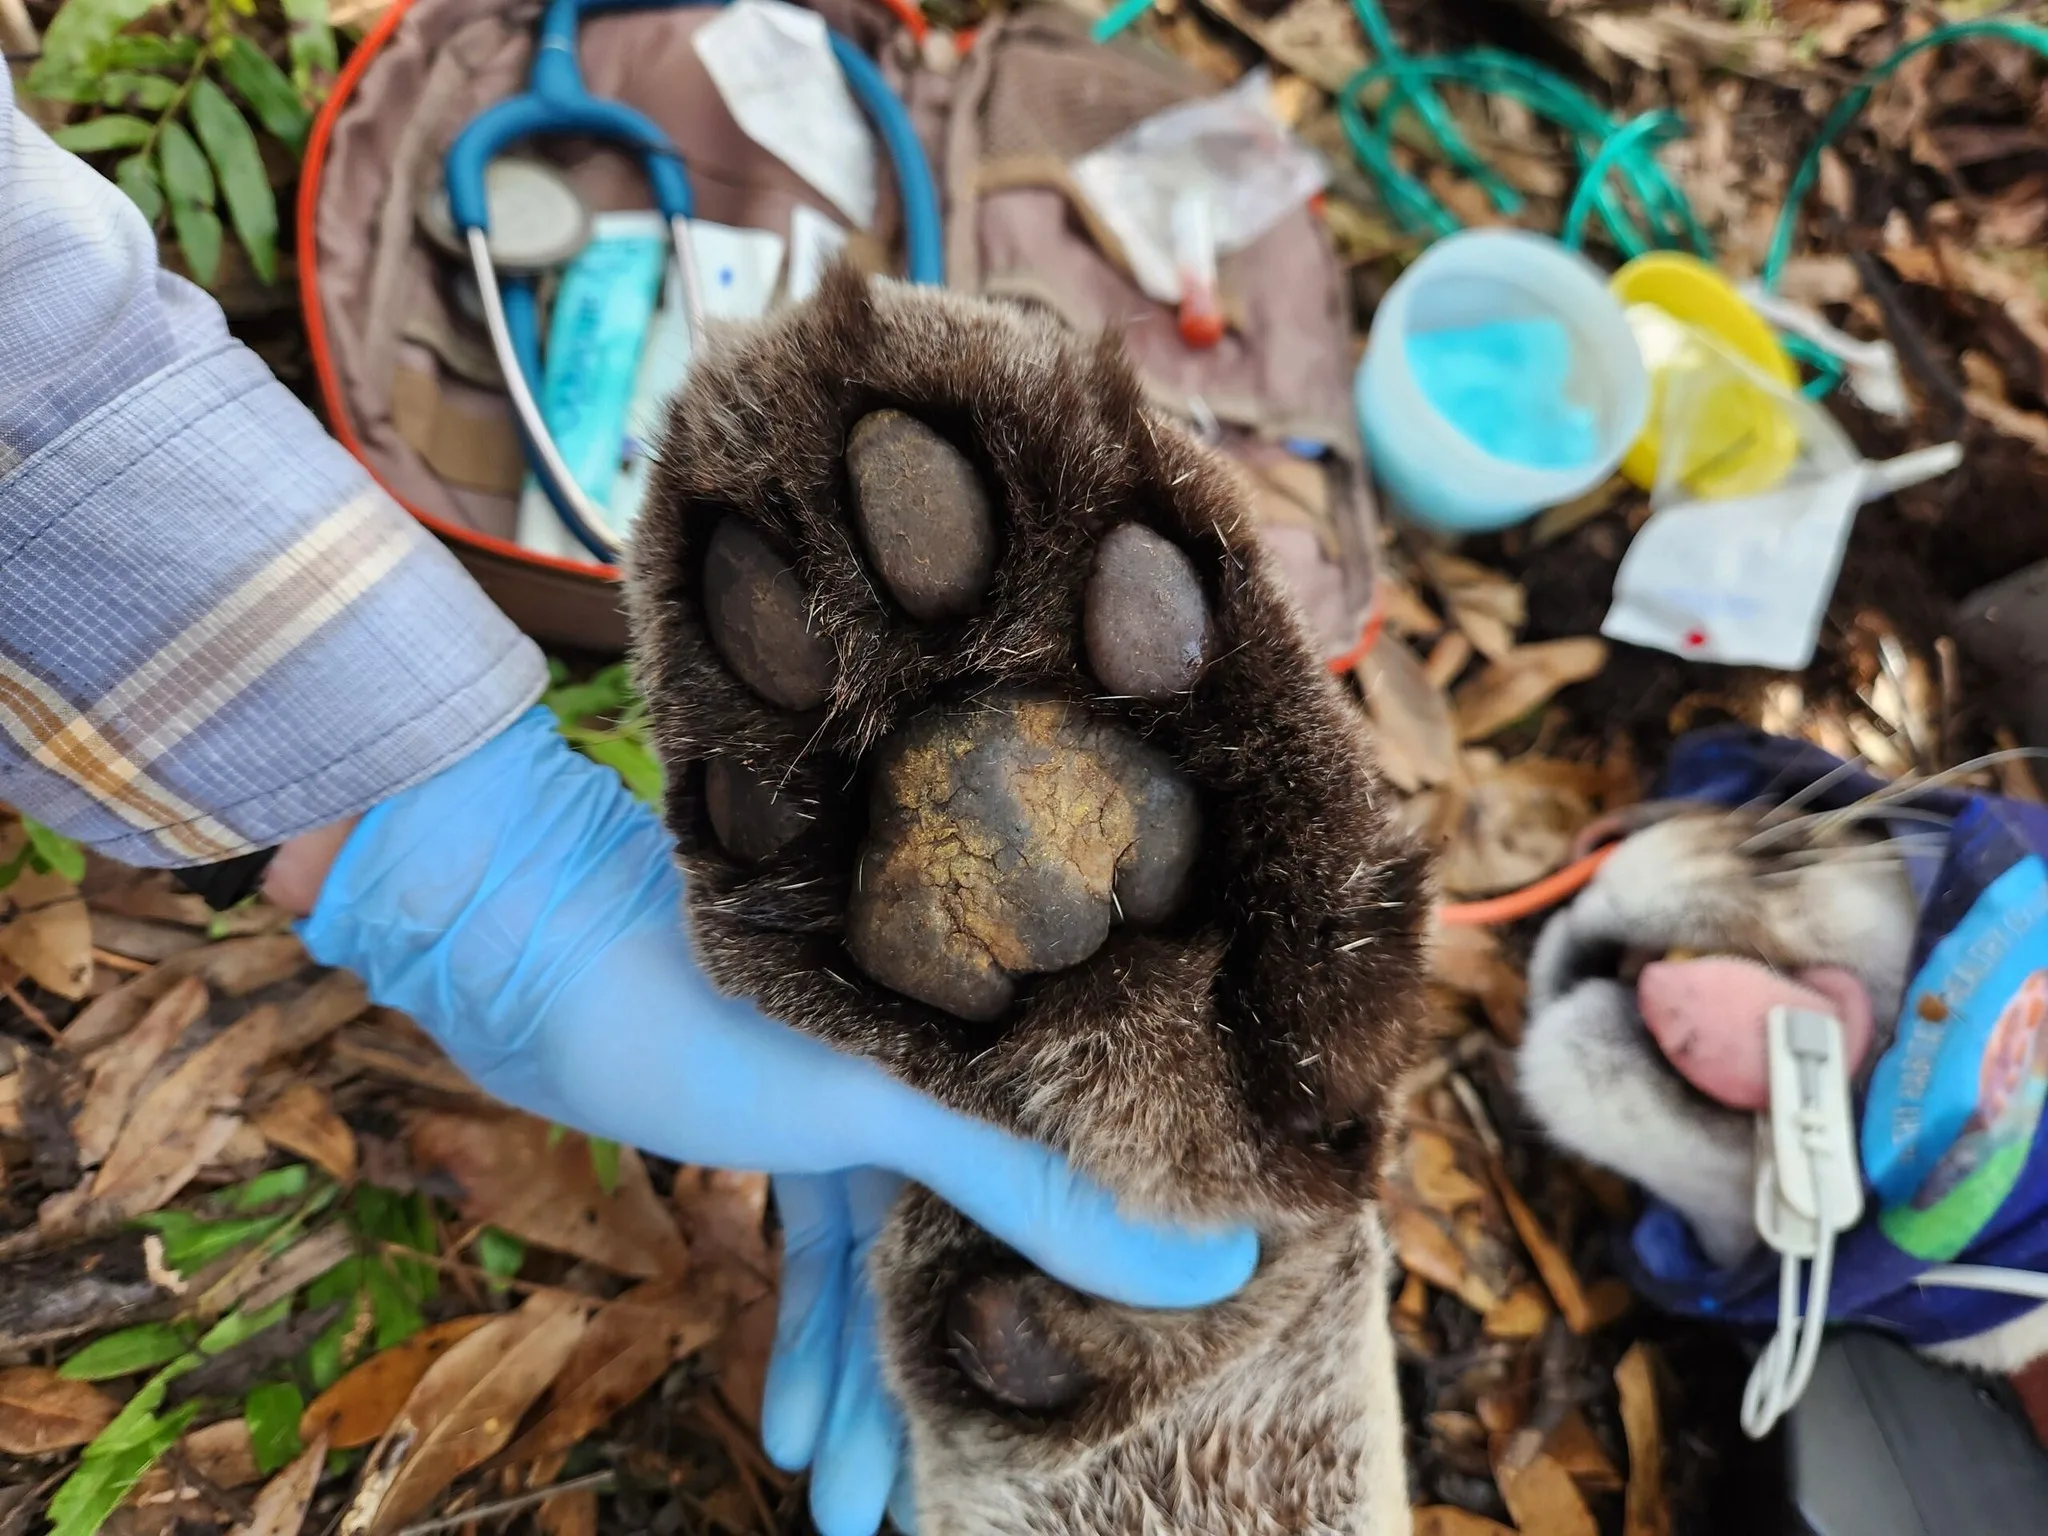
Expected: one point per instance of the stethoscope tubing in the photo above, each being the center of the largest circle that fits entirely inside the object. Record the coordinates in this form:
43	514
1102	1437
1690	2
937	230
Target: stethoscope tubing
516	343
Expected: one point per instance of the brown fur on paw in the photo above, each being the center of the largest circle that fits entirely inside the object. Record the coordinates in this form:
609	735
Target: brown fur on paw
1151	914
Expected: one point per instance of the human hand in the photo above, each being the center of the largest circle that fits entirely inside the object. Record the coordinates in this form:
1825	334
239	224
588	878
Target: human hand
526	911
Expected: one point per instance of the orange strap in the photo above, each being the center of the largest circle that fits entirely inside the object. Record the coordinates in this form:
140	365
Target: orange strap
1545	893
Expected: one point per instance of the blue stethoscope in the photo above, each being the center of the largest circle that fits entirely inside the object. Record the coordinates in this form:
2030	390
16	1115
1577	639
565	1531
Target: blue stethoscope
556	101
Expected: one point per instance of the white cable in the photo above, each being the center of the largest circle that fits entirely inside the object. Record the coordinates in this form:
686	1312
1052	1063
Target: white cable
1986	1277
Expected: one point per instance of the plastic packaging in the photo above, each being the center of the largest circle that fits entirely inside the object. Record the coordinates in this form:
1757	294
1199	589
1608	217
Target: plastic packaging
1228	151
1672	298
599	325
1500	378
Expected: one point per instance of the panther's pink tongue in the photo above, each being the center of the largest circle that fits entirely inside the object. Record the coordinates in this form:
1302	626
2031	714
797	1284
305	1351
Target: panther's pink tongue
1709	1017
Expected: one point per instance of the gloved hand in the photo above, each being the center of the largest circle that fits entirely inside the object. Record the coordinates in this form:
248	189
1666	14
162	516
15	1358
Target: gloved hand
524	909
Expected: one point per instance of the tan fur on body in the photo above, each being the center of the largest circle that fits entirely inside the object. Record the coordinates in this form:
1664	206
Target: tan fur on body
1236	1062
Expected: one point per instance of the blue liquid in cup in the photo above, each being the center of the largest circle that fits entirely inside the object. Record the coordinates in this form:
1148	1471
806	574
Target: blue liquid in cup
1502	385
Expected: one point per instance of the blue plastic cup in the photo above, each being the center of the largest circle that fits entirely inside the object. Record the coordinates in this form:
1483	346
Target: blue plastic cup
1500	378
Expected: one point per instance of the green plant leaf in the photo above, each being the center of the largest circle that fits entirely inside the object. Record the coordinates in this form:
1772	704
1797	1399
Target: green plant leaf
555	1135
499	1255
130	88
238	167
272	1413
187	177
63	82
141	1348
54	850
116	130
329	1355
146	50
269	94
199	237
188	182
81	27
120	1454
632	761
11	870
266	1189
241	1325
137	177
604	1161
606	692
315	58
397	1314
191	1244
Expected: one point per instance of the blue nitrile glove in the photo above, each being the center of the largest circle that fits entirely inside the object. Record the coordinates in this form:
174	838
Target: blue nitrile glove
524	909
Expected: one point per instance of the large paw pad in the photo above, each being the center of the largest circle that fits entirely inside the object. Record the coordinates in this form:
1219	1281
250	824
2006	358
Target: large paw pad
1003	840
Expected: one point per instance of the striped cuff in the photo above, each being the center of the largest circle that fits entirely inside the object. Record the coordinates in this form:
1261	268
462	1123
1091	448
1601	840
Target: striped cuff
216	631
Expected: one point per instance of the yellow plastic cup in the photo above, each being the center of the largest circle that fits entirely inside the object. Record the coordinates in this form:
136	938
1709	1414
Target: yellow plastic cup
1739	437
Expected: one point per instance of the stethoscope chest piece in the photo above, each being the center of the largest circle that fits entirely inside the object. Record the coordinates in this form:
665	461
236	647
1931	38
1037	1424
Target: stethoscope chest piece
537	222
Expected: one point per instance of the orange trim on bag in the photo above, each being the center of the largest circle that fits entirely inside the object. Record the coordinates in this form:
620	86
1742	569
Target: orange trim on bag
1368	637
1530	899
316	317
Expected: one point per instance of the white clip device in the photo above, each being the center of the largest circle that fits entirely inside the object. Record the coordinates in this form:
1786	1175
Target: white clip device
1809	1188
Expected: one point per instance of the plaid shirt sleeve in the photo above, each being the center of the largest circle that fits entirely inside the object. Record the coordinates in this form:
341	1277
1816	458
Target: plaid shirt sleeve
215	631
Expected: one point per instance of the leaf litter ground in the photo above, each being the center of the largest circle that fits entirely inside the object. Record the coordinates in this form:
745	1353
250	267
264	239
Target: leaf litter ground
268	1264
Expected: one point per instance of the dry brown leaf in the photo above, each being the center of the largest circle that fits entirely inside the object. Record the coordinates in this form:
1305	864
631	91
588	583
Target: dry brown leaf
1850	20
1406	613
1434	1173
41	1412
10	1104
235	967
112	1014
1318	39
628	1347
174	1129
223	1454
1572	1446
724	1217
240	966
1522	680
1520	1316
135	938
118	1070
568	1514
471	1399
1486	605
1570	516
1551	1261
336	999
1447	658
1514	824
302	1121
44	926
1411	718
1608	1301
1648	1512
361	1405
514	1180
280	1509
1544	1500
1449	1520
1467	958
1427	1250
